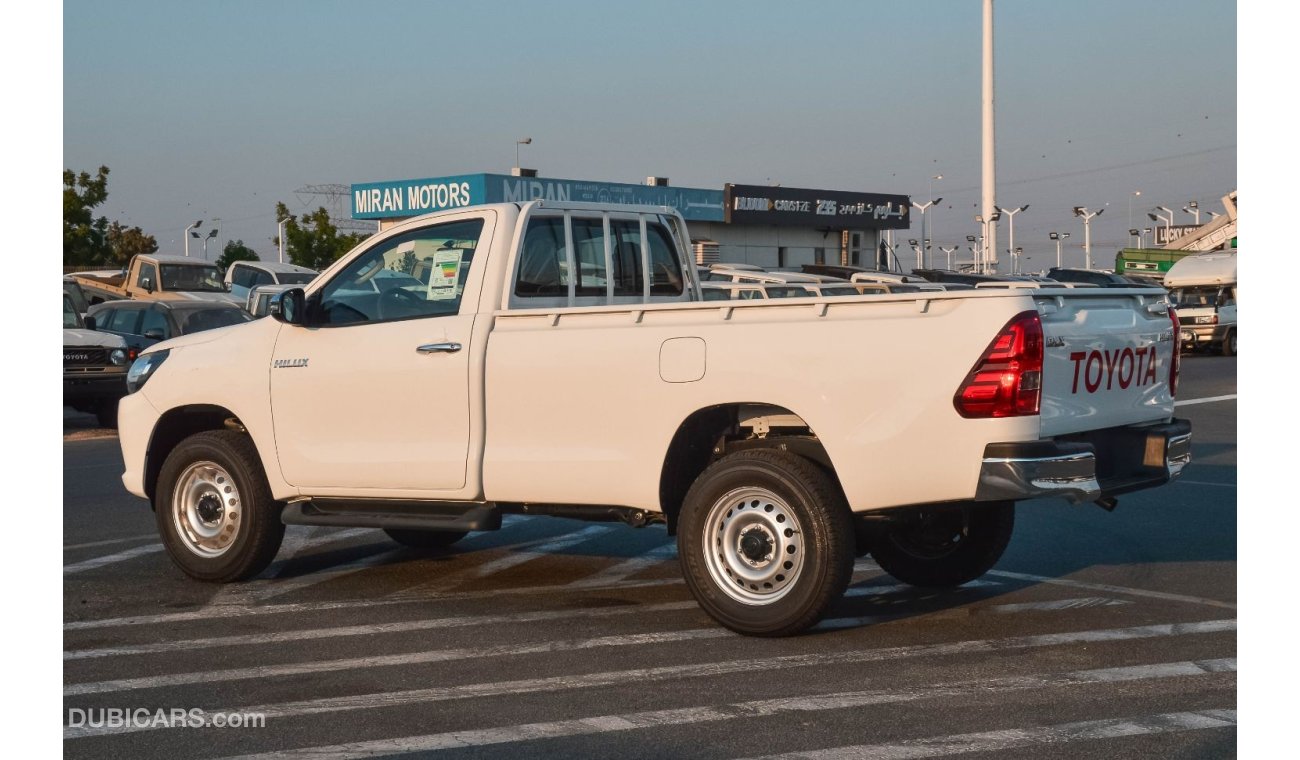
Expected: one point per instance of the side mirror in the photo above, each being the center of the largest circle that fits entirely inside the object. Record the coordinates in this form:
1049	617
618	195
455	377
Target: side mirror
90	323
147	284
289	306
153	333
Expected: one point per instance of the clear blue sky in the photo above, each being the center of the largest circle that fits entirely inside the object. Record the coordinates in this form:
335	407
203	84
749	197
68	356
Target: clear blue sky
208	110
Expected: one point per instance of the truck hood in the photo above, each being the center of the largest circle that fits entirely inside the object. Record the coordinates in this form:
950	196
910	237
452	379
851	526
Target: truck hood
80	337
207	336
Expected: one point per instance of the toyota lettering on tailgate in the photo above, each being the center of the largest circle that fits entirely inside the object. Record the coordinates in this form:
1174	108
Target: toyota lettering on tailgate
1114	368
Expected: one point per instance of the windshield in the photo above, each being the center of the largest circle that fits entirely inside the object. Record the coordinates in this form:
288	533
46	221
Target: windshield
295	278
73	291
71	319
1194	296
198	320
197	278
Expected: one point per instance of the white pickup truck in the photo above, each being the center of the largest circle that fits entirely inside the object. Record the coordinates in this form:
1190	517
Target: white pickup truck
559	359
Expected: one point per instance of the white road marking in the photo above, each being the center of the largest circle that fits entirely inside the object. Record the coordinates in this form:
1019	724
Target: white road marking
677	672
411	658
1035	736
308	634
91	564
1211	399
282	586
1114	589
541	550
897	588
1205	483
233	611
632	566
263	671
753	709
247	610
1058	604
127	540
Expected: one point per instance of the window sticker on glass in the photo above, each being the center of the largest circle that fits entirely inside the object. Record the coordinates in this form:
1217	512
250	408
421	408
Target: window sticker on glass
445	275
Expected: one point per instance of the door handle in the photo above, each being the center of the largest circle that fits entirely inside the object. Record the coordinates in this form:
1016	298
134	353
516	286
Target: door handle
439	348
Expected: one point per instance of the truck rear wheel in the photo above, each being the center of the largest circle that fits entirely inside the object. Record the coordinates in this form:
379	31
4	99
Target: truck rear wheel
945	547
766	542
1229	345
214	508
425	539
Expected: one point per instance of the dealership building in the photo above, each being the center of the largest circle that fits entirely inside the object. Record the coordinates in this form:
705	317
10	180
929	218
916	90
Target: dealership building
769	226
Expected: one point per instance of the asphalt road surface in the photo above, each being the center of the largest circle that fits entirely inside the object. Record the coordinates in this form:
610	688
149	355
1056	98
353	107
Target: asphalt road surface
1098	634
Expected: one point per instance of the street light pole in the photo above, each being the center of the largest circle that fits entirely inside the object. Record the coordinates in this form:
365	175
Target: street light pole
1082	212
188	232
1134	194
525	141
1011	233
1194	209
925	233
280	235
211	235
948	252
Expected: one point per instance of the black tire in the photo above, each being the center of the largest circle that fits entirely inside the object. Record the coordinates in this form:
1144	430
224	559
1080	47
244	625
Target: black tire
106	414
425	539
946	547
804	496
257	529
1229	345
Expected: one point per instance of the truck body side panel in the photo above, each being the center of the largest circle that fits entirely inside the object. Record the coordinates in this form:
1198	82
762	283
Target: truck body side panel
579	412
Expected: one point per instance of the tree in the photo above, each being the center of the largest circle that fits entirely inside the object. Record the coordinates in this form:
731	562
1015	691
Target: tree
235	250
85	237
313	241
125	242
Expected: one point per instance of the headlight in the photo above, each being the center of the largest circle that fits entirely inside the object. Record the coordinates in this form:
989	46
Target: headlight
143	368
118	357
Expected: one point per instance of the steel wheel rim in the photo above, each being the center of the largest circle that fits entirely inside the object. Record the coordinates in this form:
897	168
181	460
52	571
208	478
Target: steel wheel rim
206	509
753	546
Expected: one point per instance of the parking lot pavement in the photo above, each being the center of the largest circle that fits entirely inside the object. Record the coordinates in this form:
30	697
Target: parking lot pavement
1098	633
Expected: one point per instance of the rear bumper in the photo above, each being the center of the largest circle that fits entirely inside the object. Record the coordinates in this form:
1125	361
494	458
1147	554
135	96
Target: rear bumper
1088	466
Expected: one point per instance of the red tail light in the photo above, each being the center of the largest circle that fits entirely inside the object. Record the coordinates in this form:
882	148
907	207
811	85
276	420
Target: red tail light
1178	350
1007	381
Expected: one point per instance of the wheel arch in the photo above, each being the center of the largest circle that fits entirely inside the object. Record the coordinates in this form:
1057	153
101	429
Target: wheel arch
177	424
713	431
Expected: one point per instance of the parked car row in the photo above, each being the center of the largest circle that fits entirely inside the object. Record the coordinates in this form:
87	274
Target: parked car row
110	317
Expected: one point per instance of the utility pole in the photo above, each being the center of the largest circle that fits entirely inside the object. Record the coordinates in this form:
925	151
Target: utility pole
989	195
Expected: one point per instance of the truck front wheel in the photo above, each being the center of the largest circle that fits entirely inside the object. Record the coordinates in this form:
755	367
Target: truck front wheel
214	508
946	546
766	542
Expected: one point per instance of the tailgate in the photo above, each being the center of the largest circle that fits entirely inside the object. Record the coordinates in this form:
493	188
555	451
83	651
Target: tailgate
1107	362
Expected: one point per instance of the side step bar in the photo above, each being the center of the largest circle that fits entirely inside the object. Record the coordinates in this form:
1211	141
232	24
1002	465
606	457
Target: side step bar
394	513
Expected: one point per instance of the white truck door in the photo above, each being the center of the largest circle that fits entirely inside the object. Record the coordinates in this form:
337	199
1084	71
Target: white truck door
373	393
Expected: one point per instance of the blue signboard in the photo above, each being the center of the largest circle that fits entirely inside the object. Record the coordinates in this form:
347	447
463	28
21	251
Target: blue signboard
403	198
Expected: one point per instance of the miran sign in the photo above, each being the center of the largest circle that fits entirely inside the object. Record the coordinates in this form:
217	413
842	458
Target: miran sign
819	209
405	198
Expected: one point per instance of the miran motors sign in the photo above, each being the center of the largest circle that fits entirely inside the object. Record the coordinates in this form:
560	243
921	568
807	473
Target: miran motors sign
819	209
412	197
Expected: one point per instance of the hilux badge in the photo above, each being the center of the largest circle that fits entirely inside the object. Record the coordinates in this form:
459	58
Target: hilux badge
278	363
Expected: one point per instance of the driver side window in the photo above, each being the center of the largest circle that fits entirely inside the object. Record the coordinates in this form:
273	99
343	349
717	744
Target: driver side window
418	274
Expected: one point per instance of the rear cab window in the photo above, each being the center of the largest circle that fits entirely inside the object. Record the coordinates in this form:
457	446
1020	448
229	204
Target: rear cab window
596	258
